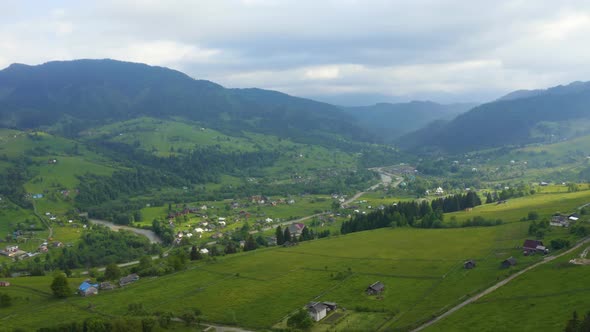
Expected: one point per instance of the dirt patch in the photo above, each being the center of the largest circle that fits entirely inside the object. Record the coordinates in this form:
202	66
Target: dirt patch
333	318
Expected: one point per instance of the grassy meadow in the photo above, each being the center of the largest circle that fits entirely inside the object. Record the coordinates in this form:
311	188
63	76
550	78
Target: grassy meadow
540	300
546	204
422	271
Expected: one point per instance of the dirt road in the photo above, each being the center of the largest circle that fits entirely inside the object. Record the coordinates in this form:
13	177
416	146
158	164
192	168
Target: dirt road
498	285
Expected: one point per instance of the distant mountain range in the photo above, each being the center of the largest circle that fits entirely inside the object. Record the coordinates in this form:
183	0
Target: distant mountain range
390	121
74	95
521	117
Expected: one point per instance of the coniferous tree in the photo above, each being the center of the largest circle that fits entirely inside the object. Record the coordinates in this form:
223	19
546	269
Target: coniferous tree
280	236
287	235
250	243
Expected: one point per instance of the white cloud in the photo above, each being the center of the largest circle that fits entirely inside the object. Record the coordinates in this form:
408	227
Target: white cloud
393	47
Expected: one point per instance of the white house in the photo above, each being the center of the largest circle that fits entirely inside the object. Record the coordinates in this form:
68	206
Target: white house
317	310
268	220
199	230
204	251
439	191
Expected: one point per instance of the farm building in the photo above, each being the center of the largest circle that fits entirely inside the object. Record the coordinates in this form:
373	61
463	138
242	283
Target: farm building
376	288
87	289
128	279
469	264
4	284
559	221
296	228
317	310
508	262
106	286
533	246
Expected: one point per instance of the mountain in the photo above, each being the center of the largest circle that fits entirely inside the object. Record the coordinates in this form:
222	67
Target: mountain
519	118
84	93
394	120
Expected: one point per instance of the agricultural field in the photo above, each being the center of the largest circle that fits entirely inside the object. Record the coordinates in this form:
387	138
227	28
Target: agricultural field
540	300
546	204
422	270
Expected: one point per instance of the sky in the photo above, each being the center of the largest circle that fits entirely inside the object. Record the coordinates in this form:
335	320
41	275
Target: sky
345	51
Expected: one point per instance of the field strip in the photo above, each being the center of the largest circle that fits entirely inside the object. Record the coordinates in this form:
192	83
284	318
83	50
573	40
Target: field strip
498	285
368	258
526	297
378	274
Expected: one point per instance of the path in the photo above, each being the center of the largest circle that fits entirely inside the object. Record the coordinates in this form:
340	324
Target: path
43	221
386	180
498	285
145	232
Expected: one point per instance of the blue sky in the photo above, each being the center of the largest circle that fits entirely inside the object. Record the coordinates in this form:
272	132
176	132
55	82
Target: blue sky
343	51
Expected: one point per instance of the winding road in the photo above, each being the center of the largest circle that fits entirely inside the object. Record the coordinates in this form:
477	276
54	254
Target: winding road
498	285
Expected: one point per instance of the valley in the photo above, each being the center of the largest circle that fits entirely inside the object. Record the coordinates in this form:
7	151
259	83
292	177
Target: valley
240	207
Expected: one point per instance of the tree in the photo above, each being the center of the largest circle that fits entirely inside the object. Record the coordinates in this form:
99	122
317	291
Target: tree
280	236
287	235
250	243
195	254
5	300
112	272
533	215
60	287
301	320
230	248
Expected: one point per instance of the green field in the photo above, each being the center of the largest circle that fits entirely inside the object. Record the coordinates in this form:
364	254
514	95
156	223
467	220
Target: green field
422	271
540	300
516	208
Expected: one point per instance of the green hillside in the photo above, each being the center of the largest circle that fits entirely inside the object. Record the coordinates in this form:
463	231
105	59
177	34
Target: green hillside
421	279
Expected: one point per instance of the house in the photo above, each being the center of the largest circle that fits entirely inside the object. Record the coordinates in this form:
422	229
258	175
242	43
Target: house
106	286
439	191
469	264
317	310
128	279
296	229
204	251
560	221
4	284
533	246
87	289
58	244
268	220
376	288
508	262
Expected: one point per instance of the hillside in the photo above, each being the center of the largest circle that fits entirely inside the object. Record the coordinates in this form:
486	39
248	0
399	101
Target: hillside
393	120
517	119
75	95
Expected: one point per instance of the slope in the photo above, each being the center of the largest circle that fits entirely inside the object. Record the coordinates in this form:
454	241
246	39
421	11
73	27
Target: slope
82	93
533	118
394	120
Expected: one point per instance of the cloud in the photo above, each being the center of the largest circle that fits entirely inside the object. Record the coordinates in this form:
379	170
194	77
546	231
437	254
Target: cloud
421	49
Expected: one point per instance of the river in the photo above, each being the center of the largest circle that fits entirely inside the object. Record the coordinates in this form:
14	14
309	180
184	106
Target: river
145	232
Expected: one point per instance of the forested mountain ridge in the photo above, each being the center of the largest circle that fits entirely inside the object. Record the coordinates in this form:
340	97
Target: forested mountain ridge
520	118
394	120
79	94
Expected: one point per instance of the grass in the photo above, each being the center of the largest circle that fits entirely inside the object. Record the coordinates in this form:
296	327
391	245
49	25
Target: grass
542	299
517	208
258	289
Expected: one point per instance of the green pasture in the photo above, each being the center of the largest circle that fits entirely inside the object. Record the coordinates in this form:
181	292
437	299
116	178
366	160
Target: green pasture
422	271
516	208
63	174
540	300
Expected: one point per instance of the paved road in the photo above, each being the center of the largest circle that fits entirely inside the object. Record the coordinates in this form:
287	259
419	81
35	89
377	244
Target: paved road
498	285
145	232
386	179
